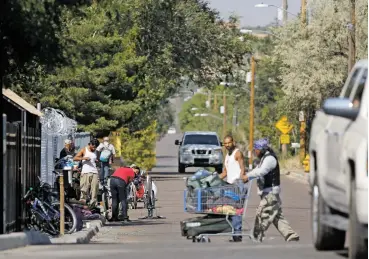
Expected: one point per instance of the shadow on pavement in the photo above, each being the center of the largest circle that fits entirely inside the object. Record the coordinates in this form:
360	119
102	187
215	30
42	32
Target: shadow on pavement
143	222
165	157
154	174
164	166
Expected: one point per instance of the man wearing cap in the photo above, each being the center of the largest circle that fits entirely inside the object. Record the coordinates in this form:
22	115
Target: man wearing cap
268	182
107	153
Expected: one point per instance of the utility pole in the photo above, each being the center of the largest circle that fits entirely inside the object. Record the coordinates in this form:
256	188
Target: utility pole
209	100
284	7
224	115
303	13
352	43
302	119
252	91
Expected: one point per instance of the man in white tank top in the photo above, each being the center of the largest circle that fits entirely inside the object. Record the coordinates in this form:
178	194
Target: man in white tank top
234	169
89	173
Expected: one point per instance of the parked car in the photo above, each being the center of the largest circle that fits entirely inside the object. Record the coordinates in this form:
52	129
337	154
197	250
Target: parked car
339	168
200	149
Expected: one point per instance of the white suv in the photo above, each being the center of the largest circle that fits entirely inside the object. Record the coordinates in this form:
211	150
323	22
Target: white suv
339	168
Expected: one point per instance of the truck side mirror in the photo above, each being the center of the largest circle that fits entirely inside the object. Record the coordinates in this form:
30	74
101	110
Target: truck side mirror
176	142
221	144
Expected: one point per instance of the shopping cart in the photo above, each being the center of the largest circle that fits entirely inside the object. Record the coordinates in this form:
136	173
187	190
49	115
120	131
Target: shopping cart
229	200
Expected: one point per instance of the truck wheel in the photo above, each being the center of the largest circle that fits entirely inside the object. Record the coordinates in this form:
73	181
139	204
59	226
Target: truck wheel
219	169
357	244
324	237
181	168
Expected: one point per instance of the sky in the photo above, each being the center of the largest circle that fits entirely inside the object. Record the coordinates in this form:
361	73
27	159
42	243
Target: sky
251	16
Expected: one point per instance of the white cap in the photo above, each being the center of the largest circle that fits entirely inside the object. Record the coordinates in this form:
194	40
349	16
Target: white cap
67	141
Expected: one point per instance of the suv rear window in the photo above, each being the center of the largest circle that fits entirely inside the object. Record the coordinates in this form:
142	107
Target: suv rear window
201	140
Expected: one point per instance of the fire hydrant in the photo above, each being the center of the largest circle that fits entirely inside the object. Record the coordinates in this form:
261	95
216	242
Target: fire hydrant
306	164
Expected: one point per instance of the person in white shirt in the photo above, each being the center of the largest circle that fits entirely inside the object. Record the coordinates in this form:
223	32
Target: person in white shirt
234	170
89	173
107	154
268	181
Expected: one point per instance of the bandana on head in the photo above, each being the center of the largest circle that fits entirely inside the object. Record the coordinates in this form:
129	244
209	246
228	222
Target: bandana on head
261	143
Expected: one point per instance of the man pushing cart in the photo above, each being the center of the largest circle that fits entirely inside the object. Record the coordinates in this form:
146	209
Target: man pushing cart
225	203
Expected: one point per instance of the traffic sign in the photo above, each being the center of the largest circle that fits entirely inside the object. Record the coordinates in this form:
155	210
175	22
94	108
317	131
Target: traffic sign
284	125
285	139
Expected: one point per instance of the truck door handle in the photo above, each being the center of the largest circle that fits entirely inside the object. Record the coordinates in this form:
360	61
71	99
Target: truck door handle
327	131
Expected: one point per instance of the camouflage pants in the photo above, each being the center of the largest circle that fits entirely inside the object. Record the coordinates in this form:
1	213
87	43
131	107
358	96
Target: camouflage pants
270	211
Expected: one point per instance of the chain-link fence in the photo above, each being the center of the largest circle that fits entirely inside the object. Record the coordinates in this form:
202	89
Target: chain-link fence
51	146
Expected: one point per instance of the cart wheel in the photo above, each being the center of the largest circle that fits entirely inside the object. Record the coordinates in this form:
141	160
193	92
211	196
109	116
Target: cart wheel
205	240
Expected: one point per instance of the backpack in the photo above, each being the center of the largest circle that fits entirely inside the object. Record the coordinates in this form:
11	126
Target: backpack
105	154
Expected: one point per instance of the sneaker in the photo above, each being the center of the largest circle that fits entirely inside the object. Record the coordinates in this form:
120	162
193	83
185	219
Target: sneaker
126	221
236	239
293	238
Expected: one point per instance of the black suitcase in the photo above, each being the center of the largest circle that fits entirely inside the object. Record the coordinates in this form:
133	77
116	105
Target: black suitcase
209	224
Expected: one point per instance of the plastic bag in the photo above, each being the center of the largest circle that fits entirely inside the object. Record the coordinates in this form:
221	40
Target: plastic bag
212	180
200	174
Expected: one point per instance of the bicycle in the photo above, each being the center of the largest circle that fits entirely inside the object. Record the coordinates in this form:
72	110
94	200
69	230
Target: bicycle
149	200
45	216
132	196
106	200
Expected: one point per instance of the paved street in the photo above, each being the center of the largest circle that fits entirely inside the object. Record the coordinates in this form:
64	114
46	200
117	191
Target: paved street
161	238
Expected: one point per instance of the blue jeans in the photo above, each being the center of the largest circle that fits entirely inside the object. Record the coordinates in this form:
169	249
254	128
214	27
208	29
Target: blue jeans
104	171
237	220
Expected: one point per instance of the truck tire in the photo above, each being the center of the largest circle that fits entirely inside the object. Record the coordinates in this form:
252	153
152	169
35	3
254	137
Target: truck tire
324	237
181	168
357	244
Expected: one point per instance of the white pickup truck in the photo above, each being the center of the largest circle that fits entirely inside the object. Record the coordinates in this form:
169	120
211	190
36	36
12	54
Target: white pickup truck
339	168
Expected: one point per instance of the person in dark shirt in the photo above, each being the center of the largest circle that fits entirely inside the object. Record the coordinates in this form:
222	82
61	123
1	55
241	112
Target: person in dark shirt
68	149
119	181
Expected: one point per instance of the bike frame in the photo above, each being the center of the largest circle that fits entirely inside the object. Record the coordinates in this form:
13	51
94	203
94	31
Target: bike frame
37	205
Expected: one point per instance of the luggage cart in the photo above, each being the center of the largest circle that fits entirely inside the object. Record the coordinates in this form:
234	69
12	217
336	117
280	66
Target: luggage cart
229	200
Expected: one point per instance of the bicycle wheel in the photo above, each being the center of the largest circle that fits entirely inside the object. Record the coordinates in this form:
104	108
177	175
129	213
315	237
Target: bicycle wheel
148	188
107	205
33	220
70	218
133	196
153	198
38	222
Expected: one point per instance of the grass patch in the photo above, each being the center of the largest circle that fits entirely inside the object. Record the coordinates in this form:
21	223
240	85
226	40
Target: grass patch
291	164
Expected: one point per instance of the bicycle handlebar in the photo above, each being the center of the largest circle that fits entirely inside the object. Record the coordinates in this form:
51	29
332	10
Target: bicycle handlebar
28	193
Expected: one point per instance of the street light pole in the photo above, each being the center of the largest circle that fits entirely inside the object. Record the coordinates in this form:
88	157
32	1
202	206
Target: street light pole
224	115
284	7
252	96
303	13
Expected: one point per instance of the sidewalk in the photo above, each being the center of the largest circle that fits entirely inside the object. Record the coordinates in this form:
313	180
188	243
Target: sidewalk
297	174
27	238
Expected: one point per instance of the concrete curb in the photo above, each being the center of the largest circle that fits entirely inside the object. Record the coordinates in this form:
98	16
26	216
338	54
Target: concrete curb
82	237
21	239
299	175
27	238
